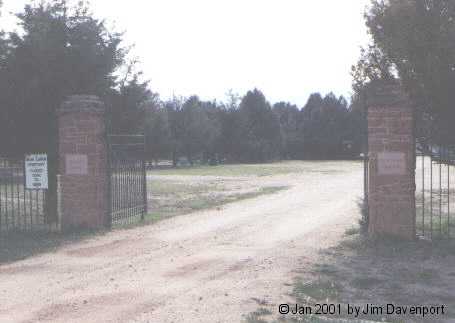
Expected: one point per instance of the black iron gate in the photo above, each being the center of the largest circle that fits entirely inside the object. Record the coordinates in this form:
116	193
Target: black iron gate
366	183
21	209
366	167
435	182
127	179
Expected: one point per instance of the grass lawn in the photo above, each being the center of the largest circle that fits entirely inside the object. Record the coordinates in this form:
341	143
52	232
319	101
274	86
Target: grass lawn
434	220
180	191
169	197
361	271
240	170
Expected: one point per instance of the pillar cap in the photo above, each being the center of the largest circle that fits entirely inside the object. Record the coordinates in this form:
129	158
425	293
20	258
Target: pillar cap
82	103
386	93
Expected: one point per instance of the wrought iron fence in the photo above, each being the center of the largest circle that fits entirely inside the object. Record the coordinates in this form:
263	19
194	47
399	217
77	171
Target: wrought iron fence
127	179
435	185
20	209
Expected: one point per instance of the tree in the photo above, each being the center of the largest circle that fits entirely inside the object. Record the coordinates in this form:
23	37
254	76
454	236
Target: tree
324	126
418	37
261	134
173	109
289	118
61	51
157	131
128	106
373	65
4	122
356	129
230	125
212	138
195	128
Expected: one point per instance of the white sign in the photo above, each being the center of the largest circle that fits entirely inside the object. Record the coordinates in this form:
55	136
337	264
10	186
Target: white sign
36	175
76	165
391	163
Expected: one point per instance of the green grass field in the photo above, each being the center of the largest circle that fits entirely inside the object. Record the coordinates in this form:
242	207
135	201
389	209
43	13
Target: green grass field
432	221
232	170
240	170
171	198
185	190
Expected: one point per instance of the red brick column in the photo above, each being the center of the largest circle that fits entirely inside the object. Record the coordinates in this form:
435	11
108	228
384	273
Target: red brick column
83	163
391	143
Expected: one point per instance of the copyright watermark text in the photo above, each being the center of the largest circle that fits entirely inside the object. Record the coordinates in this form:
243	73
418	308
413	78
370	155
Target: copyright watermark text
356	311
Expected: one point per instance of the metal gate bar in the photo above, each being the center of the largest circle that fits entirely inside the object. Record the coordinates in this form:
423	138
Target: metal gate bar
434	191
20	209
127	179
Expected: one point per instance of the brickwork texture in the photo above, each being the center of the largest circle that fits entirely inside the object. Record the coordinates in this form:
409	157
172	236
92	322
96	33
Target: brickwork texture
391	132
83	163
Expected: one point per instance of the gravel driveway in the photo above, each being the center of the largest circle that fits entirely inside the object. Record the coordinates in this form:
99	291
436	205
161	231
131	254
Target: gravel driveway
211	266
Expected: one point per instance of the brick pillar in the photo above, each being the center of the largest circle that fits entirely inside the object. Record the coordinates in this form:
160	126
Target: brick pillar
83	163
391	143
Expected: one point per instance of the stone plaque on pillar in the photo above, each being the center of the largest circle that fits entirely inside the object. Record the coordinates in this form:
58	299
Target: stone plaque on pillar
391	163
76	164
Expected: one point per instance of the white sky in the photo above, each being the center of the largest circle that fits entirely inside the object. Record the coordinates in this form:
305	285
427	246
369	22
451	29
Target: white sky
286	48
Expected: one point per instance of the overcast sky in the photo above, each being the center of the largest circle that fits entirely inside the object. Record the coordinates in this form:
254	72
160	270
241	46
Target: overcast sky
286	48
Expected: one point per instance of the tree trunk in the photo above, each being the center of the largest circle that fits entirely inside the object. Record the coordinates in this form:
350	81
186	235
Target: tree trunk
174	159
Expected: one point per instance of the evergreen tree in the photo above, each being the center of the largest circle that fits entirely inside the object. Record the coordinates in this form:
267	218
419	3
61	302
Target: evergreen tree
418	37
261	129
289	118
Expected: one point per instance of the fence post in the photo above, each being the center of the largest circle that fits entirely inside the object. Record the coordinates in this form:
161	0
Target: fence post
59	203
83	163
391	144
108	219
366	177
144	179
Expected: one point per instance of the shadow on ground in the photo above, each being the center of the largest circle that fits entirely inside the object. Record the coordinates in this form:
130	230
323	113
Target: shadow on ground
376	272
19	246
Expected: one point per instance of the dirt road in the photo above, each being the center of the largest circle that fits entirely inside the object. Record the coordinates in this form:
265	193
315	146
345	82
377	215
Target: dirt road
211	266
